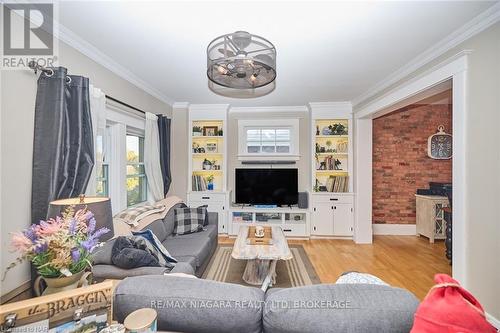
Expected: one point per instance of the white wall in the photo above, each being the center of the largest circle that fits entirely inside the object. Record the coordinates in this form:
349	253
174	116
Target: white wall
18	91
482	181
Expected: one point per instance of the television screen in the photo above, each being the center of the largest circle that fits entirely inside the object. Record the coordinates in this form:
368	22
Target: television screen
266	186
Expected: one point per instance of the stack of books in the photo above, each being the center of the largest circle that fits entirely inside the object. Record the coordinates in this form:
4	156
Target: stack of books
337	184
199	183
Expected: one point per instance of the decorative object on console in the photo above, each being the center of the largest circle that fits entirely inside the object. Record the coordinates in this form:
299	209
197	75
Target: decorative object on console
210	185
210	130
60	248
197	131
439	145
241	60
211	147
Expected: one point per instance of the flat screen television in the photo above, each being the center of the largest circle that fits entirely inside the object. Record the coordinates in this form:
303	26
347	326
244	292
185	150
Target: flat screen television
266	186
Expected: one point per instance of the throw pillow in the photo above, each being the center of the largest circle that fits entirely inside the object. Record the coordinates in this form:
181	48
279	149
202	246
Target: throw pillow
189	220
205	222
151	237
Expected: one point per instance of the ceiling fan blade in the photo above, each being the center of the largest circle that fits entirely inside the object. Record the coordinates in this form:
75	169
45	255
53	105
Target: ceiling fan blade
227	53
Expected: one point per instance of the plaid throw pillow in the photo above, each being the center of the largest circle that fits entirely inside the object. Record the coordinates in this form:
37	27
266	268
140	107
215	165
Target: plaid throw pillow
189	220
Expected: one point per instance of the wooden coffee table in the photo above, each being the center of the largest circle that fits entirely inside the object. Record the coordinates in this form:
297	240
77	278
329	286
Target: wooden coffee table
261	259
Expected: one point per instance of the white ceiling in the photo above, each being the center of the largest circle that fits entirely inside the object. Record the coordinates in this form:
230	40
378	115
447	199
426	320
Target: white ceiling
327	51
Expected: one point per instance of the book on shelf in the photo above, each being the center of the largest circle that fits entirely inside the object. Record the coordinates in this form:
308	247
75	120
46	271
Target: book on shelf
199	183
337	184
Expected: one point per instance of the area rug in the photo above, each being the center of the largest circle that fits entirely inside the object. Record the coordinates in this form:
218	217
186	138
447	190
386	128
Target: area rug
290	273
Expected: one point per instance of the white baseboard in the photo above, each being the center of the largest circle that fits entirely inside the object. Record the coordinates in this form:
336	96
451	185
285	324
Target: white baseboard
493	321
395	229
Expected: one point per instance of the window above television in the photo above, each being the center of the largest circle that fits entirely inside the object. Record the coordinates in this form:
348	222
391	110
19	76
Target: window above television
269	139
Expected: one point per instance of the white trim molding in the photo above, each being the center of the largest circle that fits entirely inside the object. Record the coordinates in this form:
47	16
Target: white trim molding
470	29
395	229
454	69
268	109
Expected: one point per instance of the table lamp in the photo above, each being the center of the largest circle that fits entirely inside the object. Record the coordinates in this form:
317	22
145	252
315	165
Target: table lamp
100	206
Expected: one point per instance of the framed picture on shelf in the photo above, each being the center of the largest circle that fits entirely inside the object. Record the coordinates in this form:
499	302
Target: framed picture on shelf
210	130
211	147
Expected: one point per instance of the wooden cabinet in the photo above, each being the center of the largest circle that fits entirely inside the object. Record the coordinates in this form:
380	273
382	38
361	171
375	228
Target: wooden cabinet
332	215
430	216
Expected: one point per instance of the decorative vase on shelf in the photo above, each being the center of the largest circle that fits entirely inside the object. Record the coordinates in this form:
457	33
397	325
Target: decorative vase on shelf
55	285
210	186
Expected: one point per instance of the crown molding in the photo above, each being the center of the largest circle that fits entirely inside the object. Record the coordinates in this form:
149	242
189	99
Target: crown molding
208	107
72	39
470	29
180	105
269	109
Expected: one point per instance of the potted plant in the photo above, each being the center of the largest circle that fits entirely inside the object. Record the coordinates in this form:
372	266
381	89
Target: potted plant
329	146
60	248
197	131
210	180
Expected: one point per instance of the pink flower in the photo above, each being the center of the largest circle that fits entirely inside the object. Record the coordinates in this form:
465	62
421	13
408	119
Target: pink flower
50	227
20	242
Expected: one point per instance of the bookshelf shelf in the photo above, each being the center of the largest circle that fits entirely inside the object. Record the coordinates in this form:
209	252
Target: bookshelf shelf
207	157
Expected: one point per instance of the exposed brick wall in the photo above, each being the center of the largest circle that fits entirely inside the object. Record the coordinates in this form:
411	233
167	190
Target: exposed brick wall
400	161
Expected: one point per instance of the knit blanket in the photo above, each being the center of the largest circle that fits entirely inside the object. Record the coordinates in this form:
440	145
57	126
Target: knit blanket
139	217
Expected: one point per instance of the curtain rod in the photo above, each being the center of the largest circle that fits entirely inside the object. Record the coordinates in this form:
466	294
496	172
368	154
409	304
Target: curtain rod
124	104
36	67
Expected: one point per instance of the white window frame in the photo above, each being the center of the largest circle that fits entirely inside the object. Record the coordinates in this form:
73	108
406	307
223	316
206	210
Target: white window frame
247	124
139	135
121	121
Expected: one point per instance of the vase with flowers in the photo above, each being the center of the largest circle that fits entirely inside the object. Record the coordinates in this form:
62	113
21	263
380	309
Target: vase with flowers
60	248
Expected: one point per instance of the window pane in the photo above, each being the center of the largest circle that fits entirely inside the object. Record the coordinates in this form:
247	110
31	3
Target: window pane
135	169
136	190
282	147
268	135
282	135
253	135
253	149
268	147
135	148
99	147
136	178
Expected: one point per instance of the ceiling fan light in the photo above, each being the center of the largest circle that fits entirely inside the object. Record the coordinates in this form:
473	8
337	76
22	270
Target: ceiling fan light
253	56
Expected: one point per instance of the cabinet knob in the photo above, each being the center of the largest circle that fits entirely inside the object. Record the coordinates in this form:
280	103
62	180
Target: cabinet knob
334	199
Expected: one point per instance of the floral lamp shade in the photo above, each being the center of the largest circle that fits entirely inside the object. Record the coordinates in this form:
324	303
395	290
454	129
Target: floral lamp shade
99	206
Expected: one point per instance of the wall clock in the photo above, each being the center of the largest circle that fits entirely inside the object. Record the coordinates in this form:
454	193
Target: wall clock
439	145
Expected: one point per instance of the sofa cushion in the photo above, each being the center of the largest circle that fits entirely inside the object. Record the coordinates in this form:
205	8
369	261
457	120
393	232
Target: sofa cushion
190	260
169	219
158	228
339	308
183	267
209	231
192	305
101	272
198	248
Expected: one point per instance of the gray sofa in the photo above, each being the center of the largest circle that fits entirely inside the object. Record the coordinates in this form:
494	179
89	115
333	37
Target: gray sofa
193	305
193	251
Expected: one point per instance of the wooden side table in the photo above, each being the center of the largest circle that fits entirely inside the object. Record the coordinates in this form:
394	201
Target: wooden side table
430	216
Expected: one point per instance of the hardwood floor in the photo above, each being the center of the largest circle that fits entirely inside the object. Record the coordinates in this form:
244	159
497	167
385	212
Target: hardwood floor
408	262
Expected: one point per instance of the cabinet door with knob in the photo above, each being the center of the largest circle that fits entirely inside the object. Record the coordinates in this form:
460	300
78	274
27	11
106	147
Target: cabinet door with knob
342	220
322	219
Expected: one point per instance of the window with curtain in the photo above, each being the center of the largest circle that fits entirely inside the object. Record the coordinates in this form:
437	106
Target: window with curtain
137	187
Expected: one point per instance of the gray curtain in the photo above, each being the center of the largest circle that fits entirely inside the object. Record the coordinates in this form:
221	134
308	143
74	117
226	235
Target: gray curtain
164	134
63	148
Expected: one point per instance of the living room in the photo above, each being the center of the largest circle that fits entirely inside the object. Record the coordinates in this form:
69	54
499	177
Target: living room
286	156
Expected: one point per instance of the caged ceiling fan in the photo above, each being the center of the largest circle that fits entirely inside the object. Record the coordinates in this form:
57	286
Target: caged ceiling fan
240	60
